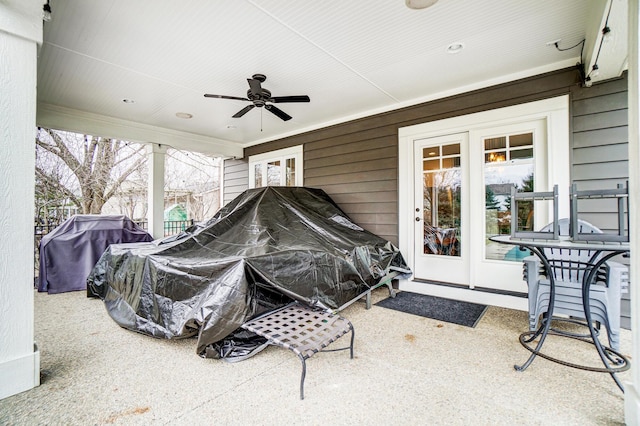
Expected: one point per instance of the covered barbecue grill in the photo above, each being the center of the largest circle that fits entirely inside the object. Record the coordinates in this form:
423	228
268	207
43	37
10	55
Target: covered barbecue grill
266	248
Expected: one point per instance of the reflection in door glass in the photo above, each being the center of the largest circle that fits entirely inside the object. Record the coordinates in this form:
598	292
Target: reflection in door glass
273	173
258	175
290	178
508	163
441	199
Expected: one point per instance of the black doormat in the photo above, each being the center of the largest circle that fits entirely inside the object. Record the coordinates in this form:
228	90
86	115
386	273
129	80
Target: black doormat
438	308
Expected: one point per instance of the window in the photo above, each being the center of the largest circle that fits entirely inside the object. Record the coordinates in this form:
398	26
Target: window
276	168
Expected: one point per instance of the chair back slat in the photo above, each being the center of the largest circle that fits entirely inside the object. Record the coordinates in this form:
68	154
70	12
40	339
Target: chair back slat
569	265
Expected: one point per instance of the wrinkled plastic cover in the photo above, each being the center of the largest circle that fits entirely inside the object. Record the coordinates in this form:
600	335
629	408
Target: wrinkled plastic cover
69	252
265	248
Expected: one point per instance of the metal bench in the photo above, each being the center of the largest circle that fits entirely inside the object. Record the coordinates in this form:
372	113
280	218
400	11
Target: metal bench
303	329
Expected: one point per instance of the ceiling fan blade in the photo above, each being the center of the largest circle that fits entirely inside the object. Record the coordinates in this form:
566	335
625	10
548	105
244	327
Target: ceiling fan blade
280	99
243	111
256	87
278	112
207	95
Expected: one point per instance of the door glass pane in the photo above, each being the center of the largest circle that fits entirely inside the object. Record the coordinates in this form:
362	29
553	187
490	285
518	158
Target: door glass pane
441	200
525	139
450	163
495	143
522	153
453	149
273	173
503	169
430	152
431	164
495	156
290	178
258	176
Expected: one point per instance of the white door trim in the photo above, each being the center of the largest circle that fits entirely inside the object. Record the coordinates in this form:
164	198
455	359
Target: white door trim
556	113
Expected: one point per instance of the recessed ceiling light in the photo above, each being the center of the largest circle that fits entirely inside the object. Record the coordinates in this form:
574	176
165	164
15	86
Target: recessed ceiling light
419	4
455	47
128	101
184	115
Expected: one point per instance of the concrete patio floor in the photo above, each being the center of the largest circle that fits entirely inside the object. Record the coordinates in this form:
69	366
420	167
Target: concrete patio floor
407	370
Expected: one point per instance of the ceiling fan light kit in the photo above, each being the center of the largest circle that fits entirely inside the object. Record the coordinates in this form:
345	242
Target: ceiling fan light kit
455	47
261	97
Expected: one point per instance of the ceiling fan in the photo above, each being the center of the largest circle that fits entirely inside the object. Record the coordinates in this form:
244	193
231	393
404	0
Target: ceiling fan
260	97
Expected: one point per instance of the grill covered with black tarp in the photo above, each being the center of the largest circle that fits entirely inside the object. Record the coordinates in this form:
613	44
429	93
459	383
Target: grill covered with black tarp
267	247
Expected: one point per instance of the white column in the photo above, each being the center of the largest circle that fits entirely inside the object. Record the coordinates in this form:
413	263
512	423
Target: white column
20	33
156	190
632	388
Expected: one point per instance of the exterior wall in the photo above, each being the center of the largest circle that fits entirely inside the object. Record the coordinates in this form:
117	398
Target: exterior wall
236	179
600	153
360	172
356	162
600	145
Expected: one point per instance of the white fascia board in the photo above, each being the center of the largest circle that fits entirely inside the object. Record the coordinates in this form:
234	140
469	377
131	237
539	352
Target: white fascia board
61	118
610	54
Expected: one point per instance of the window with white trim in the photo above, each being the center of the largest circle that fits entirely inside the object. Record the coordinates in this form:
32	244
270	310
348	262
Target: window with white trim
276	168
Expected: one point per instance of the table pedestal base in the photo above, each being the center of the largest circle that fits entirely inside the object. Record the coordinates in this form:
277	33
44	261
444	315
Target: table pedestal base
613	361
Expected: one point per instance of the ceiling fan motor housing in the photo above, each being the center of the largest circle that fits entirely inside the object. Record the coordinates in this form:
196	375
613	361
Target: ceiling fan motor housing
259	99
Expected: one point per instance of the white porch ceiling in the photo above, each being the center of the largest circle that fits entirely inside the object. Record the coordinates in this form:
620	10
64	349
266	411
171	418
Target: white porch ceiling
353	58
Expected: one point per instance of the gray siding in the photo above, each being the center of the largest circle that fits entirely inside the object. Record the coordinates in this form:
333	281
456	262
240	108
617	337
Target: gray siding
236	179
600	153
600	146
360	173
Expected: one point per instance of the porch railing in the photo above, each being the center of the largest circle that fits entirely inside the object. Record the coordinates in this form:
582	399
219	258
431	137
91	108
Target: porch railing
171	227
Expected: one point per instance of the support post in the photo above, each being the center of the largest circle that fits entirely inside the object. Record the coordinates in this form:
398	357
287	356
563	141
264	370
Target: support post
632	387
20	34
156	190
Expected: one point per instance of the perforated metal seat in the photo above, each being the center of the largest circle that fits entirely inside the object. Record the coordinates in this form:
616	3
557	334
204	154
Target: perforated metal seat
568	267
302	329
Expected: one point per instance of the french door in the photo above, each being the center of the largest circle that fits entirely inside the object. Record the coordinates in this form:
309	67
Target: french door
462	187
441	208
504	157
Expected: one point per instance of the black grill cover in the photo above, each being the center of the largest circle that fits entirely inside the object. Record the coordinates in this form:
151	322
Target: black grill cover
265	248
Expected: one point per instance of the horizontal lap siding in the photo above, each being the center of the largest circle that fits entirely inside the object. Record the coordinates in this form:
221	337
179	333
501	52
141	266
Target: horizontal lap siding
236	179
356	162
600	145
600	153
360	172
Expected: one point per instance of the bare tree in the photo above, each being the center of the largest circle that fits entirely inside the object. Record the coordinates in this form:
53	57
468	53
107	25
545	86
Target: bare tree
87	170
